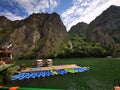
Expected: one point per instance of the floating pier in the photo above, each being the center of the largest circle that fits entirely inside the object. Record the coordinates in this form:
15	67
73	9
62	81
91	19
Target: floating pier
48	71
50	68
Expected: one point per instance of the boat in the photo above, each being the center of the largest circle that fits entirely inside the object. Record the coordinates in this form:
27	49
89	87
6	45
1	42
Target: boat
31	73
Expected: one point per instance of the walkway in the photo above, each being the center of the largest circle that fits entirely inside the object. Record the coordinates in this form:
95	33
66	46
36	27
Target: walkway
50	68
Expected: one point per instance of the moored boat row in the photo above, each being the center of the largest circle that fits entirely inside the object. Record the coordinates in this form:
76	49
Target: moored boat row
47	73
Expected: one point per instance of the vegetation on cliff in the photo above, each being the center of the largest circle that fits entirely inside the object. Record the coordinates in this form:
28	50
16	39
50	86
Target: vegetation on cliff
45	36
103	31
37	36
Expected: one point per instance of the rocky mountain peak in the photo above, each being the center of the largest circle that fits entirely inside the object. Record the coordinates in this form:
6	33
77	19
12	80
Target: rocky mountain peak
105	29
108	23
36	36
4	21
78	28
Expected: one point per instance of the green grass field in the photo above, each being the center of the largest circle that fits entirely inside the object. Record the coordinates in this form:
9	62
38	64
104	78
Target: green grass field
101	75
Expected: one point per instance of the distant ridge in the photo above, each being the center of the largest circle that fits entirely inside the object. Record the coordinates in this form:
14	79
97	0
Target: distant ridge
105	29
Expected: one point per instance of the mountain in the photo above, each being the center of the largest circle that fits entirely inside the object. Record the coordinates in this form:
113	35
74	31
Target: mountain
78	28
37	36
6	27
105	29
44	36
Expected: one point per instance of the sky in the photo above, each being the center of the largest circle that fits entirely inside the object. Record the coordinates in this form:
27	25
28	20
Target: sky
70	11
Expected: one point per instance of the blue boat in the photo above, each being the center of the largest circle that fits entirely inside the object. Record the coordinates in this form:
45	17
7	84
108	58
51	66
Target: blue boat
48	73
43	74
34	75
21	76
38	74
61	72
14	77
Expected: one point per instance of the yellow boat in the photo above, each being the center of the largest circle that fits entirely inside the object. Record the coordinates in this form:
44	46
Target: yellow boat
54	72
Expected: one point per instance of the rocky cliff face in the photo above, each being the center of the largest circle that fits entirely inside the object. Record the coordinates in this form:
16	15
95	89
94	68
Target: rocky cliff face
106	27
6	27
36	36
78	28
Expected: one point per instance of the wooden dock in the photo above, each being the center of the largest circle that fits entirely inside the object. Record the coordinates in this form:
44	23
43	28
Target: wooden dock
50	68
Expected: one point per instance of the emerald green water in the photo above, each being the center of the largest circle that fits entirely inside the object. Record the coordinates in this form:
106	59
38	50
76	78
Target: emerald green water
101	75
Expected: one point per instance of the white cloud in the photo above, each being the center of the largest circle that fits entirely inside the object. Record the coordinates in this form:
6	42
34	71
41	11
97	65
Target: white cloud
37	6
29	7
85	11
11	16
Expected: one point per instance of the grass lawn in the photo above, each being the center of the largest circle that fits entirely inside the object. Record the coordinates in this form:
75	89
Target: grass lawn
101	75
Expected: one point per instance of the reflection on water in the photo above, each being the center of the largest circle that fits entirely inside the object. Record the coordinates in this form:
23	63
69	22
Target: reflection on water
73	86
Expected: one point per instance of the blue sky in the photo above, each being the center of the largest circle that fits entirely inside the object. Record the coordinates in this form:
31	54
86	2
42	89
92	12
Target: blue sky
70	11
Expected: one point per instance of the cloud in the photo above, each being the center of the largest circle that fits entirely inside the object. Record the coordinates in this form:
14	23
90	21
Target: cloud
37	6
19	9
11	16
85	11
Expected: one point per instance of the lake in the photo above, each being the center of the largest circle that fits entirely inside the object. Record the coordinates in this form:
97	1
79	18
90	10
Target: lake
101	75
